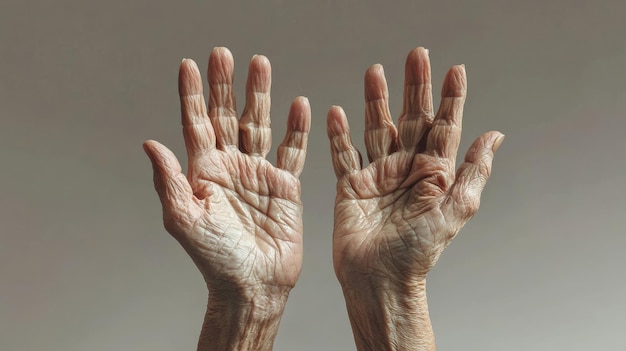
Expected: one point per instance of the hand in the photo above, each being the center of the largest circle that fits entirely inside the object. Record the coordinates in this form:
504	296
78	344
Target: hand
394	217
236	215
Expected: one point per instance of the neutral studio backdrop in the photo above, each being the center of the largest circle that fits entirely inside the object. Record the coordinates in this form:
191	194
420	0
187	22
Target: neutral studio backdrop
85	263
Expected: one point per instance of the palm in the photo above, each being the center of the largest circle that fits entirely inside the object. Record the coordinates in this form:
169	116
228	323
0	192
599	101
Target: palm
238	216
250	227
395	217
398	217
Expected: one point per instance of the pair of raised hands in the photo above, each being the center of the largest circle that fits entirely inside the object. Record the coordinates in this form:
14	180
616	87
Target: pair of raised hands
240	218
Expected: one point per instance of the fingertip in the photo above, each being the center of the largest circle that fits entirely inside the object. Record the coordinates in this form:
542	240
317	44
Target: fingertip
419	52
300	115
455	84
497	142
484	146
260	62
189	82
166	170
221	51
302	102
417	68
336	112
146	143
262	59
187	61
161	156
374	69
188	64
375	83
337	123
491	140
374	72
150	147
221	66
259	74
336	109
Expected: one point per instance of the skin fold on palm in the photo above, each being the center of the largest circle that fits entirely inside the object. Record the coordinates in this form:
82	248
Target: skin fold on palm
394	217
237	216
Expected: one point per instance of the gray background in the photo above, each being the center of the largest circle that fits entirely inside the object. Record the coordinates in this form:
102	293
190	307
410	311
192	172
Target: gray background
85	263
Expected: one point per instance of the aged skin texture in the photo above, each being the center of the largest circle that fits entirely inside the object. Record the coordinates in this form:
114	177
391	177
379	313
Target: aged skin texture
240	218
394	217
237	216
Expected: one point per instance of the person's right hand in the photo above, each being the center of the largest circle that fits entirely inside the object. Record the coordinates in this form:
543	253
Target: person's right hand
236	215
394	217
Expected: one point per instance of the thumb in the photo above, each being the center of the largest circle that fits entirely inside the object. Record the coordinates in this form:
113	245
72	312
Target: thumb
169	181
464	195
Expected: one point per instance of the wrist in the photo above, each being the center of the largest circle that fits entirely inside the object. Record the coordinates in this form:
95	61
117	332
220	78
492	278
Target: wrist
258	303
406	284
386	315
237	320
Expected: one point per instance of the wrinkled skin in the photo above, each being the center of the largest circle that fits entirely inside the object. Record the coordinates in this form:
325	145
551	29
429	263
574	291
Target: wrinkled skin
237	216
394	217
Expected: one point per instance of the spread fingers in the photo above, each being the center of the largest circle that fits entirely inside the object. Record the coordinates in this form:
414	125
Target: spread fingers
292	151
380	133
255	133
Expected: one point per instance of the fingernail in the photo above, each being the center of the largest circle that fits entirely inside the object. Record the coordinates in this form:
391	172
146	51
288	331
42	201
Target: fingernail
497	143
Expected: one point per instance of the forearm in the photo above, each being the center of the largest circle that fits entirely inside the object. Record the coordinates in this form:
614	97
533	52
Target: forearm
385	316
238	323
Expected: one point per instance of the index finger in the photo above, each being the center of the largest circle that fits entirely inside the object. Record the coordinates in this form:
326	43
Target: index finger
445	134
292	151
197	129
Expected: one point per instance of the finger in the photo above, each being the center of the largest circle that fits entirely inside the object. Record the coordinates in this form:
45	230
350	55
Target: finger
445	133
197	129
380	133
222	106
417	110
292	151
346	158
169	181
256	135
471	177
